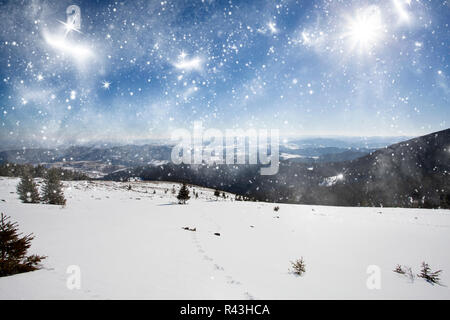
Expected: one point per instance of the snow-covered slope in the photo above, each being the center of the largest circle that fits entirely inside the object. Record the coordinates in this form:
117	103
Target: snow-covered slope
131	244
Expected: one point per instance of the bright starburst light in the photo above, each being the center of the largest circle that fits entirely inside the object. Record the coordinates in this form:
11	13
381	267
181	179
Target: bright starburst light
365	29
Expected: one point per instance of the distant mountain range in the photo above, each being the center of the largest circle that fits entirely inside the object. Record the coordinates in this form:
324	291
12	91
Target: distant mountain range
351	172
96	161
412	173
100	159
128	155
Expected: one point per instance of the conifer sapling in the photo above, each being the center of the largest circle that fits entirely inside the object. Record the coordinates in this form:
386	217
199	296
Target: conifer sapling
13	250
183	194
53	188
27	189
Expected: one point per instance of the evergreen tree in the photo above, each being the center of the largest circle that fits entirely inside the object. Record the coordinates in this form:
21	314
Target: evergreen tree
217	193
39	171
13	250
183	194
429	275
53	193
27	189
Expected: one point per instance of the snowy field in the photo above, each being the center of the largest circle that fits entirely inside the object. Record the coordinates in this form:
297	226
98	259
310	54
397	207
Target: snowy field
130	244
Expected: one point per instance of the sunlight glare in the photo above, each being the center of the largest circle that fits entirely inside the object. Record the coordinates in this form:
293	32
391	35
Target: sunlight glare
365	29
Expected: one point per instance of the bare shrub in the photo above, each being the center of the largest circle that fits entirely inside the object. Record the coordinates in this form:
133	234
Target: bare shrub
409	274
406	271
298	266
399	269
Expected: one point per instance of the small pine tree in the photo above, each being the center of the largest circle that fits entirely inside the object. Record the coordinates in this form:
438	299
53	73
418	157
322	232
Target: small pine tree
53	192
13	250
183	194
217	193
27	189
298	266
428	275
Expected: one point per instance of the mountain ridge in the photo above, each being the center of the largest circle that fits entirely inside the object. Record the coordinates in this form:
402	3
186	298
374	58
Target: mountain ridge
411	173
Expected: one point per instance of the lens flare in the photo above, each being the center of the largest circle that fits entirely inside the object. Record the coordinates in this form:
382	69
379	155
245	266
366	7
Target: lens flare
78	52
365	29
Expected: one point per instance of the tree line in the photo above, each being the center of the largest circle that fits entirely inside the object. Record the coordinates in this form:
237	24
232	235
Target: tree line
52	190
9	169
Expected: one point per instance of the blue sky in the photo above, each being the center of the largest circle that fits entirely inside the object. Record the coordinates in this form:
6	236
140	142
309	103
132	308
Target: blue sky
140	69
